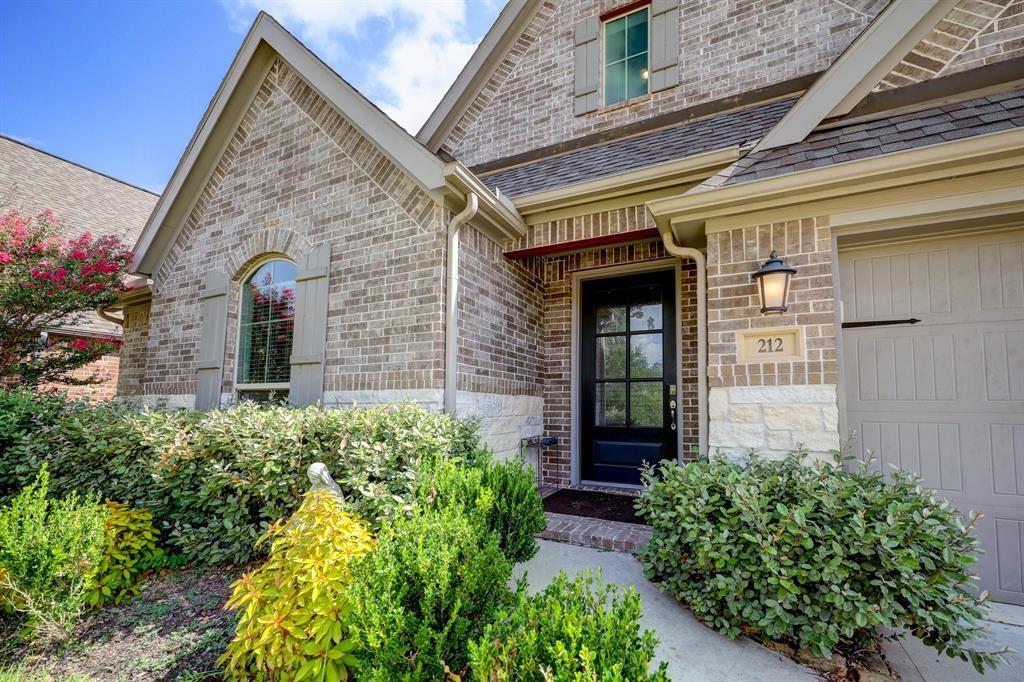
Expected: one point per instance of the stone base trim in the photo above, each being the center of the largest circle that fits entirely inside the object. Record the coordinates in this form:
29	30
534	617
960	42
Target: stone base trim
504	419
773	420
578	530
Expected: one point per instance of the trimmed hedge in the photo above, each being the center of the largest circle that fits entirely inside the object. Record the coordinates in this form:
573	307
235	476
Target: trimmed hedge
812	554
214	481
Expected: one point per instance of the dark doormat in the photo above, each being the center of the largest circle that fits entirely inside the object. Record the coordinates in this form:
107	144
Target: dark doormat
593	505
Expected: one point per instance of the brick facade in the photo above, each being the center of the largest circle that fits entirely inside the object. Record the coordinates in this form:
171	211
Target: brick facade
500	319
297	173
725	48
104	371
772	407
975	33
558	331
734	303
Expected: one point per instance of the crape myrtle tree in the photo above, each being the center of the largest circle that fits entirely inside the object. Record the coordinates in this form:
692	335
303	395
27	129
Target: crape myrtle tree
48	282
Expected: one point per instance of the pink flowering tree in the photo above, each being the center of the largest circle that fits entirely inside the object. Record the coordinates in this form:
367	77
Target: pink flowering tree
47	282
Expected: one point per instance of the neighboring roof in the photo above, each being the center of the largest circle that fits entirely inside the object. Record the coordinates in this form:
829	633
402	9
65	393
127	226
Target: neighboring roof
632	153
32	180
265	41
928	126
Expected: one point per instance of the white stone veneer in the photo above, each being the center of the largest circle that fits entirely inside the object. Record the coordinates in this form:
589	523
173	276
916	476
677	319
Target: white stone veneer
773	420
504	419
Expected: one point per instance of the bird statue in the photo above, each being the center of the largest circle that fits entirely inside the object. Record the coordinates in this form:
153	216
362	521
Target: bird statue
320	479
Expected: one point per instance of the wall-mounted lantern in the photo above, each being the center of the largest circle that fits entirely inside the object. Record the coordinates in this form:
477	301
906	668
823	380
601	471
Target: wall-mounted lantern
773	284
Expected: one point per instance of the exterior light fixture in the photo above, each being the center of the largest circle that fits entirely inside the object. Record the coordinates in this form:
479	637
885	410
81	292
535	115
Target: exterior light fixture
773	284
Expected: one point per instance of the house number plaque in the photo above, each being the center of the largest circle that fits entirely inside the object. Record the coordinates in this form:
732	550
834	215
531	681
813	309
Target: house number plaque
780	344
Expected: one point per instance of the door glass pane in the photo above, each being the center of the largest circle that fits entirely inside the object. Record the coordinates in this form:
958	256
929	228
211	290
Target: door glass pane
611	357
611	405
645	356
636	76
645	404
611	319
645	316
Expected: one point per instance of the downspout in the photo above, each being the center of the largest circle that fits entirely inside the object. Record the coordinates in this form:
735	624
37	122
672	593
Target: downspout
702	329
451	311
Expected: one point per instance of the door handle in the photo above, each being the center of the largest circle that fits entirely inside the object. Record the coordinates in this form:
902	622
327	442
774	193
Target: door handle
672	407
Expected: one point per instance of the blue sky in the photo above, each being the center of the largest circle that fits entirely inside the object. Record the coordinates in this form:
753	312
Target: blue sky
120	86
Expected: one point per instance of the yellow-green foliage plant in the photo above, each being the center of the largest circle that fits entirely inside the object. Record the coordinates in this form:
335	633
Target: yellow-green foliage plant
293	612
130	550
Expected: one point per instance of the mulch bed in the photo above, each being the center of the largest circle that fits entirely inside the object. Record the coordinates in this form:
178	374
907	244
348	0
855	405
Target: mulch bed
594	505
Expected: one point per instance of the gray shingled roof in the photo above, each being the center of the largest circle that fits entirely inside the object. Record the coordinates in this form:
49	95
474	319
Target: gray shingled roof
88	201
896	133
618	156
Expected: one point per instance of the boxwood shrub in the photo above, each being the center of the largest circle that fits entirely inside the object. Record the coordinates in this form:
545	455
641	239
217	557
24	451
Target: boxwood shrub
812	554
215	480
501	495
575	629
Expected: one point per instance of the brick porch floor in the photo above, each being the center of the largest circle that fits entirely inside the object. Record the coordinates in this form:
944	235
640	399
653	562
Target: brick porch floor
588	532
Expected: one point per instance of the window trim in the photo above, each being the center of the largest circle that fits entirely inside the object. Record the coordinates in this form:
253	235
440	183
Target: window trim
605	19
243	279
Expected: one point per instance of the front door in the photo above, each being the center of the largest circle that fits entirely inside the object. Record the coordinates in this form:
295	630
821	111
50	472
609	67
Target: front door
627	375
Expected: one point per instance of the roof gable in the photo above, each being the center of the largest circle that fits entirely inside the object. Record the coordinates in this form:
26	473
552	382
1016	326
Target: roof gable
266	40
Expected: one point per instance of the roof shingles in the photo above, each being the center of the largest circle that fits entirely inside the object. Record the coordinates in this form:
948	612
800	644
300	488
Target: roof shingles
929	126
642	151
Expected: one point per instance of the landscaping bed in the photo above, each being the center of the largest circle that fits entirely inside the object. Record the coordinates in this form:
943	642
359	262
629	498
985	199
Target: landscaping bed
175	629
396	565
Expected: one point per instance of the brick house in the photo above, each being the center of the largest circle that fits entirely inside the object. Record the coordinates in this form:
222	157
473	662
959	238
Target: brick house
32	181
567	246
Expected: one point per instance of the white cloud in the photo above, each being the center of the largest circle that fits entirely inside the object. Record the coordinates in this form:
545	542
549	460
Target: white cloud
408	74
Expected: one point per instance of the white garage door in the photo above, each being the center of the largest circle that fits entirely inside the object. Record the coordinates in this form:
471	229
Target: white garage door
944	397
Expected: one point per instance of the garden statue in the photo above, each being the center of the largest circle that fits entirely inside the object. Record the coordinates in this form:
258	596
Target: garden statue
320	479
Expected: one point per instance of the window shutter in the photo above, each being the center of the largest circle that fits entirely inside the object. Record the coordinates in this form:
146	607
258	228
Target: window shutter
307	361
664	44
587	65
210	365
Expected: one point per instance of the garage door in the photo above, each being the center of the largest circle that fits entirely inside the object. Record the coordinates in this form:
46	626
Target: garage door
944	396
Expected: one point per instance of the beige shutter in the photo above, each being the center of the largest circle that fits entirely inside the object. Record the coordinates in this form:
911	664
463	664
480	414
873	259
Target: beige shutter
307	360
664	44
587	65
210	365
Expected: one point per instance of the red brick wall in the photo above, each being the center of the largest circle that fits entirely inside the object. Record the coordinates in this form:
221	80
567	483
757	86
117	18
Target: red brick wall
105	369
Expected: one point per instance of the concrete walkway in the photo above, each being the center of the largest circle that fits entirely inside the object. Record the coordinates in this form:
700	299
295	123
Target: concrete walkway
695	652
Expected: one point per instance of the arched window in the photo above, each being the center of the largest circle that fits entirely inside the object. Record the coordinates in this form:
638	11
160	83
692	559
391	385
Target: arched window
266	328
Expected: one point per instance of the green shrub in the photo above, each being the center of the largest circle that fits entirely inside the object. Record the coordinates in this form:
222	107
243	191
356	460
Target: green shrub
503	494
431	585
294	616
50	551
571	631
130	550
95	449
812	554
214	481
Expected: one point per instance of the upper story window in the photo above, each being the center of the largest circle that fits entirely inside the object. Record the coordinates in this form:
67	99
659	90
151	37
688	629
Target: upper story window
266	329
626	41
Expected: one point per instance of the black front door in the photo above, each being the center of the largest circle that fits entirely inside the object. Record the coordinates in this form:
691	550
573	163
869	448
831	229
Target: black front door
627	375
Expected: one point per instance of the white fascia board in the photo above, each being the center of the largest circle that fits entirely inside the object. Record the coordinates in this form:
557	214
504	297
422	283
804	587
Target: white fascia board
993	151
403	149
859	68
470	81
